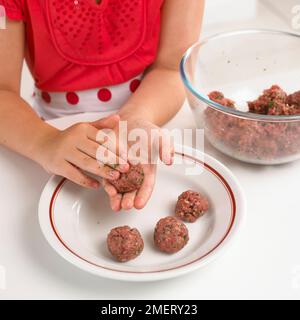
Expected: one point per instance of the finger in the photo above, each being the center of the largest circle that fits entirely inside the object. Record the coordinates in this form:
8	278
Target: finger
102	130
94	150
93	134
112	141
166	147
102	136
75	175
145	191
86	163
128	200
108	122
109	158
173	151
108	139
115	202
109	189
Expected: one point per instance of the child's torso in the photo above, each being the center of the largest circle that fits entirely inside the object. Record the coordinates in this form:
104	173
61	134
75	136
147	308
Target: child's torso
79	44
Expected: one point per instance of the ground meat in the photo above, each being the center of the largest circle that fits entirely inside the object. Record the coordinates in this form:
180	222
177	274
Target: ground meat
273	101
250	139
190	206
129	181
294	101
125	243
170	235
218	97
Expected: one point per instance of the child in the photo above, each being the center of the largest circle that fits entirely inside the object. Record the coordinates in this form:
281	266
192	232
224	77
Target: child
91	56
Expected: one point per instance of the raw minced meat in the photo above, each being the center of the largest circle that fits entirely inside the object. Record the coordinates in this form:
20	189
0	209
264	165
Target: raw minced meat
170	235
257	139
218	97
294	100
129	181
273	101
191	205
125	243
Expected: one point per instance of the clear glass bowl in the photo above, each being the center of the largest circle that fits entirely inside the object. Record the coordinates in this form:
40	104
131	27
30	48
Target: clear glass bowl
242	64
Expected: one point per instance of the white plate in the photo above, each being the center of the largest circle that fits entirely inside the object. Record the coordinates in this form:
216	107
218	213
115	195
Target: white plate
76	221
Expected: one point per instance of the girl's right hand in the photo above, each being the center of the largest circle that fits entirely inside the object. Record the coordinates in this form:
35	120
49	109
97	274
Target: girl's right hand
71	152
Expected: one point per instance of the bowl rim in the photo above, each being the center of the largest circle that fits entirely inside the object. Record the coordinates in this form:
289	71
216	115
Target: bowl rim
217	106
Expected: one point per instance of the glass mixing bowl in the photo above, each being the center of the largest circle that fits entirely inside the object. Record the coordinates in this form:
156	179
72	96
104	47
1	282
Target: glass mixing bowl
241	65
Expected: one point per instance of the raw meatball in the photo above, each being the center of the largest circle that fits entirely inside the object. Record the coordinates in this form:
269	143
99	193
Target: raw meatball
125	243
129	181
190	206
170	235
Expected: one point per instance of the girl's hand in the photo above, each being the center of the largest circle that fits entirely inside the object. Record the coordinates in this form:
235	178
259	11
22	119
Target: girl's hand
71	152
165	150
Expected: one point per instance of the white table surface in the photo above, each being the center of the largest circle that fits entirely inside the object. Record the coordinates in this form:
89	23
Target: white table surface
263	263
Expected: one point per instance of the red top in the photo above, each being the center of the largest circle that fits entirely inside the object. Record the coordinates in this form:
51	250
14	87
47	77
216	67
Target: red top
79	44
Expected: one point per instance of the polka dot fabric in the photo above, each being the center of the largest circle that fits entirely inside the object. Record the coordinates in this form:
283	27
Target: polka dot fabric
72	98
45	96
89	33
104	94
51	105
134	84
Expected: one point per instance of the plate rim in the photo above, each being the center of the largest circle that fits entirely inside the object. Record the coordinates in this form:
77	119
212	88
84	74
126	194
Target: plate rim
69	255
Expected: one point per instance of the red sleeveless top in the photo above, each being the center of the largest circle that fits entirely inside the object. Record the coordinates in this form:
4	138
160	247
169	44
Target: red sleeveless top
82	44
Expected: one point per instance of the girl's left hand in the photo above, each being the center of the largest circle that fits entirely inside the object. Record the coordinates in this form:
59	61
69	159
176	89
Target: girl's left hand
163	146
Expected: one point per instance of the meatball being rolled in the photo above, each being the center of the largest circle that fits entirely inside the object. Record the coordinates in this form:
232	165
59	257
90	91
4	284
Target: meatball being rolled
170	235
129	181
191	205
125	243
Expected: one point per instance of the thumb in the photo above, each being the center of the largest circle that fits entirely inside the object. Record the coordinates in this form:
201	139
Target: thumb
109	122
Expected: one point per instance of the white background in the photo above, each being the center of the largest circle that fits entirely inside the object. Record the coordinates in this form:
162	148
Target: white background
264	262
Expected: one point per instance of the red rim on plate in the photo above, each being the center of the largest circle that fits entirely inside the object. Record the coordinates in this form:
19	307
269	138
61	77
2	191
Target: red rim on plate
206	166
